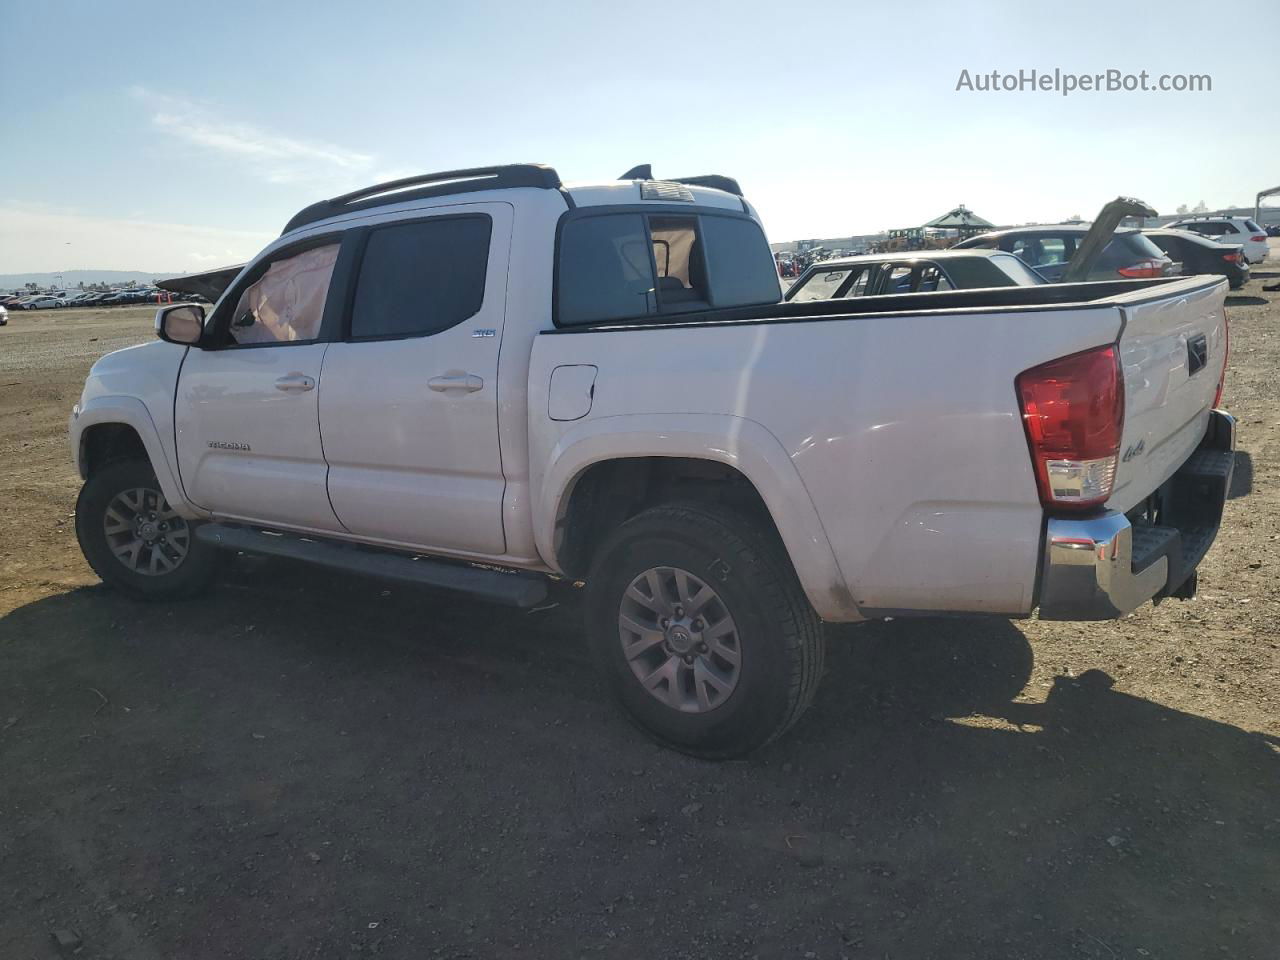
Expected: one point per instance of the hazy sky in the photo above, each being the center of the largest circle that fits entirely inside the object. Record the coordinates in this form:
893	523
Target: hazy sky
170	136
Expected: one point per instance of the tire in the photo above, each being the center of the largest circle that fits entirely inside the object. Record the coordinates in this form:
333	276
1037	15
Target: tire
185	566
703	703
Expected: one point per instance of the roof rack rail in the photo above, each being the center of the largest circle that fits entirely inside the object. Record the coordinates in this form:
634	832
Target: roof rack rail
430	185
713	180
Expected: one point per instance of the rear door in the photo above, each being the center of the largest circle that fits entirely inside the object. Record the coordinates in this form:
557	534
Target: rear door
409	397
1172	352
245	410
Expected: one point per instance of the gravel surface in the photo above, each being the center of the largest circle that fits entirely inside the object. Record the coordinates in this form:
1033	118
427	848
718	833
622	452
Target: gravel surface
300	765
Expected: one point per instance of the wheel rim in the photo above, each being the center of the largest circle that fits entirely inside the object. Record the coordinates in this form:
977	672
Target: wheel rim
144	533
680	640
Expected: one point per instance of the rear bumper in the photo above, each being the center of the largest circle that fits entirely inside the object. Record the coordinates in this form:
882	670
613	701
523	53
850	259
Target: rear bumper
1103	567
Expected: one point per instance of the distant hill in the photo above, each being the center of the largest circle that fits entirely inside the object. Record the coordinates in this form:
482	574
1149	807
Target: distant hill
72	278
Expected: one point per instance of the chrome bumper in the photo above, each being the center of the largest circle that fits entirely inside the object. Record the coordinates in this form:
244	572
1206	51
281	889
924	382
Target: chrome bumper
1091	569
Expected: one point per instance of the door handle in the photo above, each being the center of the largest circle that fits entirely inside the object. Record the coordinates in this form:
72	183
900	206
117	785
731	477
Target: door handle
295	383
467	382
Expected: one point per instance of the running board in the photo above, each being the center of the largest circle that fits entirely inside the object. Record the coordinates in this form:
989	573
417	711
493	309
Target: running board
514	589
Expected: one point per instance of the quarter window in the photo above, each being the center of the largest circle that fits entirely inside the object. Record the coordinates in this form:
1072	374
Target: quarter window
417	279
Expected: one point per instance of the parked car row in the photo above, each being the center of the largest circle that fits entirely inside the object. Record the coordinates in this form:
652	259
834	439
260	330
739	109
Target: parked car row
89	298
1239	230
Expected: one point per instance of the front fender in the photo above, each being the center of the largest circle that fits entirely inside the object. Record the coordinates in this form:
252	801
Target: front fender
131	412
742	444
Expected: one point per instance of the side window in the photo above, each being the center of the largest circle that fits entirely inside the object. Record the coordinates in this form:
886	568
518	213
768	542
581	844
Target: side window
286	303
606	269
740	263
420	278
898	280
932	278
1040	251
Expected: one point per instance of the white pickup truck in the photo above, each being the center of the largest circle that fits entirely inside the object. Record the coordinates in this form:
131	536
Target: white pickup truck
477	379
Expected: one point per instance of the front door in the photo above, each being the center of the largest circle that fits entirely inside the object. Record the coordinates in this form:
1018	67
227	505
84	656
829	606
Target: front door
409	397
246	413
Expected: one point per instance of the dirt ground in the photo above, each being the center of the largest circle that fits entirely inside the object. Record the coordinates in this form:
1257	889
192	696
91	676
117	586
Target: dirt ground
303	766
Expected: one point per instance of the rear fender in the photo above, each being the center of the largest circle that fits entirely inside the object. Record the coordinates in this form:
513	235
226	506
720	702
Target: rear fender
742	444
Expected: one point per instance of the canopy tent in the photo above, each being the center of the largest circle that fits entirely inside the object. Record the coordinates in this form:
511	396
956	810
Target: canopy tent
962	219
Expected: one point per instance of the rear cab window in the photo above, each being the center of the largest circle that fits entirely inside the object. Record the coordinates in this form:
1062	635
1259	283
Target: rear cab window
629	265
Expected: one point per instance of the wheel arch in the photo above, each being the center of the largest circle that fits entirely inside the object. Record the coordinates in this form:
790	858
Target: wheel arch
114	428
639	460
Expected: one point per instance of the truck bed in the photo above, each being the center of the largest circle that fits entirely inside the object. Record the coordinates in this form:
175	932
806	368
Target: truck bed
900	416
1046	297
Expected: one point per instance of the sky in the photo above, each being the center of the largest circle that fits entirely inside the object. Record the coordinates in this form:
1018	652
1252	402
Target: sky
176	137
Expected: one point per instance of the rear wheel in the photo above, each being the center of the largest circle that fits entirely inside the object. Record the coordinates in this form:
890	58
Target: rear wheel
134	540
700	627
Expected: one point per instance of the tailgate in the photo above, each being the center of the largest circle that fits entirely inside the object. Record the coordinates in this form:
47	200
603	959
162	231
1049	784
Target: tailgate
1172	349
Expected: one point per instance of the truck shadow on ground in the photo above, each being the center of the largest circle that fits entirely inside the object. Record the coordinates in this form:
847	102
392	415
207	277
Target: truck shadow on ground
309	764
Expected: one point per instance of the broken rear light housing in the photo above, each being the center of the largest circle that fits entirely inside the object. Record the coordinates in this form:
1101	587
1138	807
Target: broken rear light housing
1143	269
1073	414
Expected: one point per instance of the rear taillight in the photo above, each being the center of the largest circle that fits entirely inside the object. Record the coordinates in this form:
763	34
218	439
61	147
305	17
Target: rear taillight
1231	257
1144	269
1259	238
1073	412
1226	355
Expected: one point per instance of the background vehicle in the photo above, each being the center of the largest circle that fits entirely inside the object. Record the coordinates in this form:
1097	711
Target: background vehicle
1201	254
1049	250
45	302
911	272
4	316
486	376
1239	230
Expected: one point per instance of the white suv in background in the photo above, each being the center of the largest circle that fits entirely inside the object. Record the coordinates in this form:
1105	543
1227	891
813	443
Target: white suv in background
1239	230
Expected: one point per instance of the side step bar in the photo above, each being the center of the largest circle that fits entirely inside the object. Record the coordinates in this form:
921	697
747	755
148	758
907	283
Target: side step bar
514	589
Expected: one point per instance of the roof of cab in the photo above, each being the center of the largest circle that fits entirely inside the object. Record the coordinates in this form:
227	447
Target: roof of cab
632	192
635	186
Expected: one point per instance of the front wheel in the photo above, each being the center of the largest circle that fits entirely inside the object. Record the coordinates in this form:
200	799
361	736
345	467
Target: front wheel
134	540
702	630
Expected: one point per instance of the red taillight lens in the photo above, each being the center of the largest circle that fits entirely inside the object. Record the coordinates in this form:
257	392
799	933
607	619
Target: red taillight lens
1260	238
1073	412
1231	257
1226	355
1144	269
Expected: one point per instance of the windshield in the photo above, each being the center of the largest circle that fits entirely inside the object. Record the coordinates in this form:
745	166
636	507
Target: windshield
819	285
1018	271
